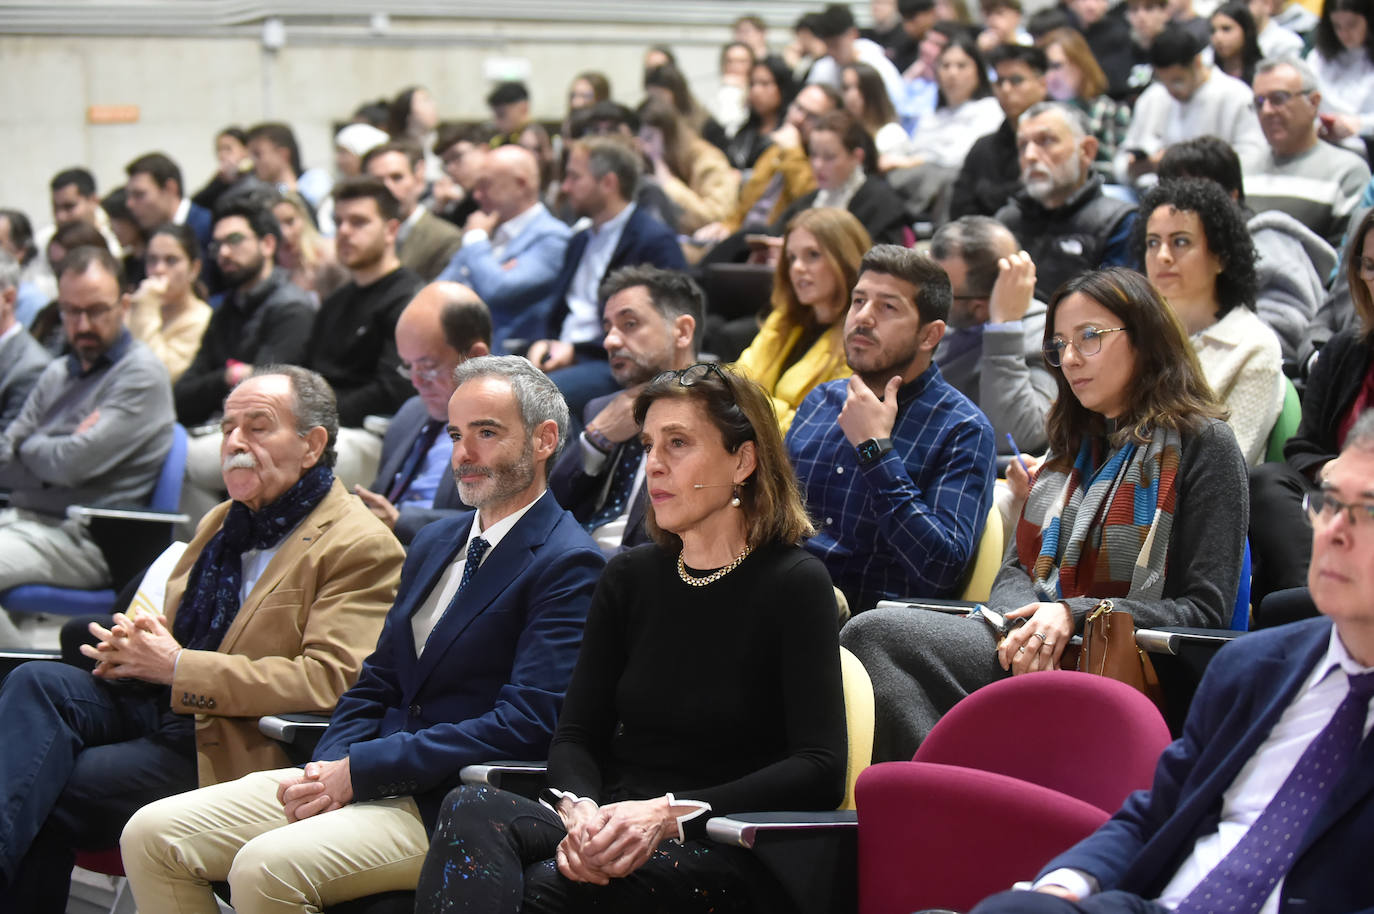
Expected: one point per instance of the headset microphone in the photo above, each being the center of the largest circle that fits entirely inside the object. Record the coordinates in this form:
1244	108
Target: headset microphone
715	485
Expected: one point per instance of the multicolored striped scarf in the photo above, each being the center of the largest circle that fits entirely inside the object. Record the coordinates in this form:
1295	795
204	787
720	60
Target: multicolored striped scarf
1103	532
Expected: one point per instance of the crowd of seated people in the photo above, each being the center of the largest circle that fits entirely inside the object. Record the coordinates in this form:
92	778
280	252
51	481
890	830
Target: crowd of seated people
433	394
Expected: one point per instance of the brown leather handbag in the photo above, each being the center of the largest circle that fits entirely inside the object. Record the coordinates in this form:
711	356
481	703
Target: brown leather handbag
1109	649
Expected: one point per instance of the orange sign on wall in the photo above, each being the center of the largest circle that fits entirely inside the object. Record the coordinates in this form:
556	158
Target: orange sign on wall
112	114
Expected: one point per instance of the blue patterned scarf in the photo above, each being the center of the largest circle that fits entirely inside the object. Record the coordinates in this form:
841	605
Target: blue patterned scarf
212	590
1103	532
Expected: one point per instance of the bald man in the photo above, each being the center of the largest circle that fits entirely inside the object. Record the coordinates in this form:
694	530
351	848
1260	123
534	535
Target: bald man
513	248
443	326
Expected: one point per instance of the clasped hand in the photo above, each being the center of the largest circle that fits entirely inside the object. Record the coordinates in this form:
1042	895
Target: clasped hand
139	647
608	842
322	786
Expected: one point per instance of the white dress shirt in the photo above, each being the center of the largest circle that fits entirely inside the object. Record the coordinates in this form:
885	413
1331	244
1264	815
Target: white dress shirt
583	323
424	620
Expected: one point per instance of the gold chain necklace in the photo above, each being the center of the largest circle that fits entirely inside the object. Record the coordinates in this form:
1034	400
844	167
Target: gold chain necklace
713	576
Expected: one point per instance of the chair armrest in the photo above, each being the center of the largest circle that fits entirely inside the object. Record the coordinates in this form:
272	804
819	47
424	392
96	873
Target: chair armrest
81	512
1171	639
748	828
290	728
523	778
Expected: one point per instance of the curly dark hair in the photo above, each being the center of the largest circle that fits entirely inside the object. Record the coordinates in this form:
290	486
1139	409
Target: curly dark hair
1224	225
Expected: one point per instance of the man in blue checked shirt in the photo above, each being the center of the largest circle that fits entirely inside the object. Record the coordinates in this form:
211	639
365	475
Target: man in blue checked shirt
896	465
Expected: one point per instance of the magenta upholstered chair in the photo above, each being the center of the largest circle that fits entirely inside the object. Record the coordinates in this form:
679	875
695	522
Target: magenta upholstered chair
1013	775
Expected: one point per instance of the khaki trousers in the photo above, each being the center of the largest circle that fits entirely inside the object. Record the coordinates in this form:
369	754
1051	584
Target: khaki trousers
236	832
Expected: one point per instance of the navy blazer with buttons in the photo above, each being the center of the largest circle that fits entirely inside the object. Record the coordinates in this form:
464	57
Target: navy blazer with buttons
490	682
1246	689
644	240
401	433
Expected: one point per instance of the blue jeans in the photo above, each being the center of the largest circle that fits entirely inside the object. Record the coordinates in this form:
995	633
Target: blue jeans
80	756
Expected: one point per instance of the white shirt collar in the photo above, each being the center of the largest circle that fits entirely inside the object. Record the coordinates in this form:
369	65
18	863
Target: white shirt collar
16	328
183	211
615	224
1338	656
497	531
513	227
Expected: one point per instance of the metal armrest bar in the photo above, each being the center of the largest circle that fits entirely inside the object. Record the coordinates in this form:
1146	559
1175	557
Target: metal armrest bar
745	829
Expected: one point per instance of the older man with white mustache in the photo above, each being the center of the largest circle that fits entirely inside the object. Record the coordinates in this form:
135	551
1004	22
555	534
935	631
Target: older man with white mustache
270	609
1061	217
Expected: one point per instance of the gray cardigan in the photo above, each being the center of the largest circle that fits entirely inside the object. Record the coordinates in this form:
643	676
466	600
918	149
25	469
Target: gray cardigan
1205	549
48	466
1006	376
22	359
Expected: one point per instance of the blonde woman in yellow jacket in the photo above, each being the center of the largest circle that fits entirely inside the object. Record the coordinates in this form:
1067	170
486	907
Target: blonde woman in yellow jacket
801	343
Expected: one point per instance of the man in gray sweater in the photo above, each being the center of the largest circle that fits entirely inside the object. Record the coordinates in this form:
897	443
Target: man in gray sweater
21	357
95	430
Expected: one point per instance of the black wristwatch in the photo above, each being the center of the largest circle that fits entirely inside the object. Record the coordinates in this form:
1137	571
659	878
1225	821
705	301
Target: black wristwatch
872	450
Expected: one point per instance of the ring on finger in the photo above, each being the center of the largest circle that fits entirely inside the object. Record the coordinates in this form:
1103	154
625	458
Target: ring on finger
1040	635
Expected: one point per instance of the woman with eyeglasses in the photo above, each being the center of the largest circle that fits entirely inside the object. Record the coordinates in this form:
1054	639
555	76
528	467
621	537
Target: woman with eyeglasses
801	342
1141	499
1339	388
168	311
1075	77
708	684
1196	248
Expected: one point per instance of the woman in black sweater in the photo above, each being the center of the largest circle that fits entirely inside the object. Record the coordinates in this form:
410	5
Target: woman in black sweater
1340	387
708	684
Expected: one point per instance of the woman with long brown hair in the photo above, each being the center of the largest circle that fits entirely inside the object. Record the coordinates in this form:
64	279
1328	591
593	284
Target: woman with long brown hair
1141	500
694	174
801	343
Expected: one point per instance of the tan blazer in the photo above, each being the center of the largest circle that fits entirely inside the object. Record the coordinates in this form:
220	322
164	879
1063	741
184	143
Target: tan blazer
297	642
429	247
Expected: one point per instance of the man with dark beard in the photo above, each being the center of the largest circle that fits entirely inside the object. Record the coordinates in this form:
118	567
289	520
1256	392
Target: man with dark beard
264	319
471	665
652	319
895	465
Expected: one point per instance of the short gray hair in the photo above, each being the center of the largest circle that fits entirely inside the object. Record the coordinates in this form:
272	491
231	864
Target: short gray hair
1073	118
9	271
1361	434
1305	73
313	402
538	398
979	241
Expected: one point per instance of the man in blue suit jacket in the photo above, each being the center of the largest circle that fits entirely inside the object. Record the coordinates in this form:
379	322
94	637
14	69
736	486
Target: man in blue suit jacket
471	665
653	319
155	196
1261	704
444	325
513	247
599	182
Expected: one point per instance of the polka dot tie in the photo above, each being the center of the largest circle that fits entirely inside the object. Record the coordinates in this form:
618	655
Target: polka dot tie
1247	875
622	482
476	549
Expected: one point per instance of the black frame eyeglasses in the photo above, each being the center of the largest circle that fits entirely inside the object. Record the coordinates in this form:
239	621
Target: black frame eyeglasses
1324	506
695	374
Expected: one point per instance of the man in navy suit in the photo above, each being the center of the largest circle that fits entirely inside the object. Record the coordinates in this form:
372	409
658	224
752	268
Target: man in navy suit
442	327
155	195
513	247
1272	782
653	319
599	182
471	665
